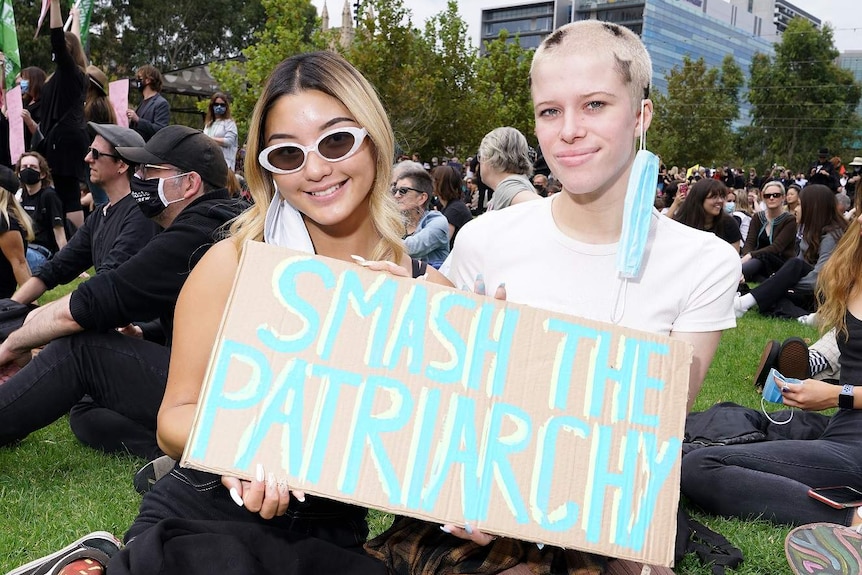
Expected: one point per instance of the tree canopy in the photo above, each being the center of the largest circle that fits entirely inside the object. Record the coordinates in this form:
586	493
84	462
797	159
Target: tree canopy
801	99
443	97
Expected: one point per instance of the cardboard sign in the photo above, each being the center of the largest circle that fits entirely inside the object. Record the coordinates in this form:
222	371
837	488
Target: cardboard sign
431	402
118	91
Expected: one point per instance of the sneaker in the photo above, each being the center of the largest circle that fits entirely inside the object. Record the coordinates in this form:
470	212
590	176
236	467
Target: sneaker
98	545
792	359
767	362
824	549
738	310
810	319
147	475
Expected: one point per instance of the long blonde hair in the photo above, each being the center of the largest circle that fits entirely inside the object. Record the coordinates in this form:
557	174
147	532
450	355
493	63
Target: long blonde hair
331	74
9	204
839	278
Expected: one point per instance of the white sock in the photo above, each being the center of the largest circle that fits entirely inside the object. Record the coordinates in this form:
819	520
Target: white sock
747	301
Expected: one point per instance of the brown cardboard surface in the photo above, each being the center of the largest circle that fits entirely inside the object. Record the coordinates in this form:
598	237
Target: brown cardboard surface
427	401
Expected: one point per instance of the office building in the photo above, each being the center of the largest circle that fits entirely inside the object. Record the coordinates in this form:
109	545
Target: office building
777	13
530	22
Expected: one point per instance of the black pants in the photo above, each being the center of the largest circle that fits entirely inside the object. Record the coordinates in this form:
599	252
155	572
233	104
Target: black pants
771	291
197	495
123	377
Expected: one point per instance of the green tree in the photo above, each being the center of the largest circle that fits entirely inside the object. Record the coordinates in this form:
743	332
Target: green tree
291	27
399	62
501	85
171	34
801	100
693	121
454	98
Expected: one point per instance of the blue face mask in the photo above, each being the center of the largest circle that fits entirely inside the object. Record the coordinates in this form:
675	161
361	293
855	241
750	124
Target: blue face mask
637	213
219	109
729	207
25	86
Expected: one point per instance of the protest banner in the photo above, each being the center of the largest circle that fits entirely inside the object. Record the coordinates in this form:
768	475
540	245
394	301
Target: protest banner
118	92
444	405
14	108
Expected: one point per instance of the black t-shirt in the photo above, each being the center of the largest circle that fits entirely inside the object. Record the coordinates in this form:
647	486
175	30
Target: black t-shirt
727	229
457	213
46	210
7	275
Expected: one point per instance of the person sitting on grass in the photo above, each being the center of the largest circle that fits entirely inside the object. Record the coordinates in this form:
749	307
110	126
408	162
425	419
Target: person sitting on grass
771	238
90	348
771	479
789	292
113	233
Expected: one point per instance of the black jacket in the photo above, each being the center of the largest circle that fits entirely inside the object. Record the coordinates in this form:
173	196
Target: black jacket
109	236
148	284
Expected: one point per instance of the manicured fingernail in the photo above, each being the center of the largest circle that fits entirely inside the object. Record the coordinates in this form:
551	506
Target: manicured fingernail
468	529
282	486
359	259
270	480
445	529
502	286
259	473
785	389
364	264
300	496
234	494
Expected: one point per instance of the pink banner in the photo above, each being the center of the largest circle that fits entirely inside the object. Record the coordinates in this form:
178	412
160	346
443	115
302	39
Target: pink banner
14	107
119	94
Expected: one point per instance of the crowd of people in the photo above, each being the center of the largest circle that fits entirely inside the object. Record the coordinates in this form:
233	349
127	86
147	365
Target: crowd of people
125	353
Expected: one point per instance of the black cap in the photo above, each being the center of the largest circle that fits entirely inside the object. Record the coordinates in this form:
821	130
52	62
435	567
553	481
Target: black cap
118	136
823	152
8	179
186	148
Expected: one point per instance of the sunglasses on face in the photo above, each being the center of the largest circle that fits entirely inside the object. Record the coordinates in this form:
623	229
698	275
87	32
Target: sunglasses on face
772	196
333	146
403	190
97	154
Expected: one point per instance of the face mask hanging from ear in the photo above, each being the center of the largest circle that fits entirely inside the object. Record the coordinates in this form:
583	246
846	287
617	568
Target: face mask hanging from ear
283	226
637	213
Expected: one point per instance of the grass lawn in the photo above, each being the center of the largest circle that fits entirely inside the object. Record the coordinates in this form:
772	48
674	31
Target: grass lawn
53	490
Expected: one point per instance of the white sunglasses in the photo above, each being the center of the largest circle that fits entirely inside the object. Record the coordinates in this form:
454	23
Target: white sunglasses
333	146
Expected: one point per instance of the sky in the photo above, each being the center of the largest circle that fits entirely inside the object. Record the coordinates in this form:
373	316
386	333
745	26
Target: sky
840	13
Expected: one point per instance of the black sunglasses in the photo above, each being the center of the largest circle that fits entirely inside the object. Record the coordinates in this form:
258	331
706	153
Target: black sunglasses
402	191
771	196
97	154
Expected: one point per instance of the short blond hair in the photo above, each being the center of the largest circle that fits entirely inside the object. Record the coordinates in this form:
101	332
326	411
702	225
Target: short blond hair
633	62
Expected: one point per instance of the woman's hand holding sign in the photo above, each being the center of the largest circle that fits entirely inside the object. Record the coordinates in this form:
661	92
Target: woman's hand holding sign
264	495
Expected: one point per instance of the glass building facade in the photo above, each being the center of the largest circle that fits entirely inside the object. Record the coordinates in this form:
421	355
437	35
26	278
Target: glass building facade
531	22
674	29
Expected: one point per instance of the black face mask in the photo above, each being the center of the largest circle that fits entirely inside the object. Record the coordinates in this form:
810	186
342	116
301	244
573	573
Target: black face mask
139	85
146	194
29	176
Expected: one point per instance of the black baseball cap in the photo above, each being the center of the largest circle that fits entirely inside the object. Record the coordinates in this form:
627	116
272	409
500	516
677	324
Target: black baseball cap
186	148
118	136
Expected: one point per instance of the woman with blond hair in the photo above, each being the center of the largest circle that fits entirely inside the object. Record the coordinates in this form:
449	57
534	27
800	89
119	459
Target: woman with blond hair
771	238
16	230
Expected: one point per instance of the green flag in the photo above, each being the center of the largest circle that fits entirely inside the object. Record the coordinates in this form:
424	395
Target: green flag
86	7
9	43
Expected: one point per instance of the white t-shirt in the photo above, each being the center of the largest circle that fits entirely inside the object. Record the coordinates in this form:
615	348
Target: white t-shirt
687	282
